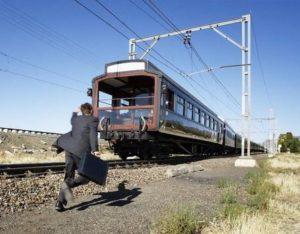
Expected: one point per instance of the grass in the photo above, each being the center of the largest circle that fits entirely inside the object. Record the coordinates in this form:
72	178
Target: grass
271	204
181	220
225	183
31	158
229	197
260	190
273	201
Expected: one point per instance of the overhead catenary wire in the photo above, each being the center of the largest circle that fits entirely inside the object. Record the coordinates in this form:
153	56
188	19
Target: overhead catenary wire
146	13
170	65
40	80
137	35
167	20
57	34
180	38
122	22
173	27
156	52
261	67
163	26
160	13
41	68
45	34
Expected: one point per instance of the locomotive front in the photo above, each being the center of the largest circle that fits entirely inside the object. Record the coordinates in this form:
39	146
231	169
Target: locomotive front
125	101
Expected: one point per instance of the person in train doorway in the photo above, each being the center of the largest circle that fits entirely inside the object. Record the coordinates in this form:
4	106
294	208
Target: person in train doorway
81	140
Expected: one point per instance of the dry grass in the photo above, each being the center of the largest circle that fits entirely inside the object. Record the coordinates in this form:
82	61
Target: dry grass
283	211
31	158
245	224
43	157
285	163
289	183
13	146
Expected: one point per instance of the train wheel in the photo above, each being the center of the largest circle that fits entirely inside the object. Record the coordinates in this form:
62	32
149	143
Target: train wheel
145	153
123	156
148	155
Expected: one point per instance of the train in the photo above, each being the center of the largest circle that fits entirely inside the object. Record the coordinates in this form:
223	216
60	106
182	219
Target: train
143	112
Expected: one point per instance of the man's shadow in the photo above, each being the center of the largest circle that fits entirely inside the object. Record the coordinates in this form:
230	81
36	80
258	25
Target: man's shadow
121	197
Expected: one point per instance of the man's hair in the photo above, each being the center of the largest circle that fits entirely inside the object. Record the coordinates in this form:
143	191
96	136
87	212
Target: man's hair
86	109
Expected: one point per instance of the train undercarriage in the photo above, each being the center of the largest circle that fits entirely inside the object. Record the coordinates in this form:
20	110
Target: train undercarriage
156	144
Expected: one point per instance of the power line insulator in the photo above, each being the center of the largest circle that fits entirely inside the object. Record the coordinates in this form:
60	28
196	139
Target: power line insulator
187	38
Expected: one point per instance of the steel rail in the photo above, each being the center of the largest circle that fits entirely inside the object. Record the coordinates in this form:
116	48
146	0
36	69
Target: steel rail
23	170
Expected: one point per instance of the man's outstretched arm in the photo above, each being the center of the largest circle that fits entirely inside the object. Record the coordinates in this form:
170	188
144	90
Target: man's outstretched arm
74	115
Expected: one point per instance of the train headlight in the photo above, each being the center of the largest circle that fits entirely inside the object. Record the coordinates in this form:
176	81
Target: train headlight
89	92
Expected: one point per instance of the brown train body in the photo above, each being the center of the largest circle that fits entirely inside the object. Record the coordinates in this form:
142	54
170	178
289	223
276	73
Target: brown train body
144	112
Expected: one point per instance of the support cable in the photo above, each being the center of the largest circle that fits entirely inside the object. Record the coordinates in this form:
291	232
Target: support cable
172	67
167	20
261	67
40	80
137	35
51	31
41	68
43	33
149	15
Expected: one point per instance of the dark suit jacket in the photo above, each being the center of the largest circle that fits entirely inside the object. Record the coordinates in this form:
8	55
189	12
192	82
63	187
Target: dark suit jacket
83	137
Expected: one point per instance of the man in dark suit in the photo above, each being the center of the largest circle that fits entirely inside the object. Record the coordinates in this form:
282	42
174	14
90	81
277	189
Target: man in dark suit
81	140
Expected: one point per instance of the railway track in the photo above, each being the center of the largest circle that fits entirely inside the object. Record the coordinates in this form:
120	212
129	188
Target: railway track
29	132
37	169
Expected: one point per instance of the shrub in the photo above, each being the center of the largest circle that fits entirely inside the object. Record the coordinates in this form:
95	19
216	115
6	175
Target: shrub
231	208
180	221
225	183
229	197
260	190
232	211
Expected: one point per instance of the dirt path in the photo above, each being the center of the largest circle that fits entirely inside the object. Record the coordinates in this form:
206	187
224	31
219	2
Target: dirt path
129	210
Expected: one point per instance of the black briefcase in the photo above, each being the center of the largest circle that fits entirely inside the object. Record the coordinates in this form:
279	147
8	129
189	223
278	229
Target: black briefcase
93	168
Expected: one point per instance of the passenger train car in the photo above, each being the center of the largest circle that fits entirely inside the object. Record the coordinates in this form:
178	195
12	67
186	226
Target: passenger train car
144	112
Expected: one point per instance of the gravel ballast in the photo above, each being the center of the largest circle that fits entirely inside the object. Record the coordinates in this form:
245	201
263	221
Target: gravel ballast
18	194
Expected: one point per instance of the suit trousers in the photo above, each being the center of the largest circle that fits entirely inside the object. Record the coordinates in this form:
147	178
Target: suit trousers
72	163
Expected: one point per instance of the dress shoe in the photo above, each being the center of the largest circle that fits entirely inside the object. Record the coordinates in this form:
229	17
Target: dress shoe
59	206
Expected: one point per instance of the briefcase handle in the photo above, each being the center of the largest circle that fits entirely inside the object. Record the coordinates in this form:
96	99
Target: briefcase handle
96	154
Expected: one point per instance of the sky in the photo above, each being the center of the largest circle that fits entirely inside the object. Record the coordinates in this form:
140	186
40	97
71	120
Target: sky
65	46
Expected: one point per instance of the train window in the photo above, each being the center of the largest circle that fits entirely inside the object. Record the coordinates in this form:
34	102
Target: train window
215	125
124	102
125	91
105	100
180	105
211	123
207	118
170	100
202	118
196	114
189	110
